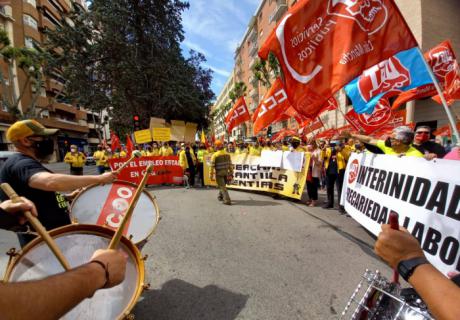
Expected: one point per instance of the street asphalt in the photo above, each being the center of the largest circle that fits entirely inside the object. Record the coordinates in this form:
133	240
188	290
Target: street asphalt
260	258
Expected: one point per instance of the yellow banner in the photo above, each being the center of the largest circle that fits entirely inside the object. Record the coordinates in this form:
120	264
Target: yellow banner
249	175
143	136
161	134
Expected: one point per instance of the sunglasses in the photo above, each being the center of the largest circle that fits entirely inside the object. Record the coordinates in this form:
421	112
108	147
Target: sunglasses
422	132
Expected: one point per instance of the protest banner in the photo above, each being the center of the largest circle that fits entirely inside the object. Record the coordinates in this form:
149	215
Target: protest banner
143	136
161	134
177	130
165	170
425	195
190	132
248	174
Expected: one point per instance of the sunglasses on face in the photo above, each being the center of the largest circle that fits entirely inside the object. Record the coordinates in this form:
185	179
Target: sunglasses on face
422	132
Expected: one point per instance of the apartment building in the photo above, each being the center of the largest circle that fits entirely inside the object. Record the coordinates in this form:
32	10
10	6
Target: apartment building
431	21
217	125
27	21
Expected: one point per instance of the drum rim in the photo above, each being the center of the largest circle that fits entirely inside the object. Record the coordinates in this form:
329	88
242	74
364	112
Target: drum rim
151	197
93	230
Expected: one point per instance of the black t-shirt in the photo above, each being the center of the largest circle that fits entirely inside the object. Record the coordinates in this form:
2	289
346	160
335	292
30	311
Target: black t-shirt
431	147
51	206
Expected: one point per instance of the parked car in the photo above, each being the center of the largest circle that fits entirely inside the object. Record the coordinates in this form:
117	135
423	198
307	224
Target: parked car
90	161
5	155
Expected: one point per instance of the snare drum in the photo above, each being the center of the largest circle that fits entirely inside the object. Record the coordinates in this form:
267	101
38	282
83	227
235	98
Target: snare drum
105	206
78	243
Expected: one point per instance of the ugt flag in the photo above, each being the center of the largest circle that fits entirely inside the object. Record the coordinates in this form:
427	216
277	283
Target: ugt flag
273	105
237	115
322	45
403	71
445	67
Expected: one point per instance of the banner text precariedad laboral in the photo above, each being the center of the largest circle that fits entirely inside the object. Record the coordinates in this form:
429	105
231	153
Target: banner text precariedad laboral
425	195
165	170
248	174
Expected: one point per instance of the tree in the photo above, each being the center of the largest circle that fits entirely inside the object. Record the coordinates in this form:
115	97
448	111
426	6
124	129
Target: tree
266	70
31	61
133	67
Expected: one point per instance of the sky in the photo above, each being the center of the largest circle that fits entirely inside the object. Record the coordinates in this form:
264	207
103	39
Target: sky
215	28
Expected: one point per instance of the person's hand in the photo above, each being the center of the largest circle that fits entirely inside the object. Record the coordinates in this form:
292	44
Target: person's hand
345	134
108	177
212	177
430	156
115	263
19	207
394	246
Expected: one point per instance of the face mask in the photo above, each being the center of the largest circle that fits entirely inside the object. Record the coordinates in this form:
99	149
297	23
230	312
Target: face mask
44	149
295	145
100	149
73	150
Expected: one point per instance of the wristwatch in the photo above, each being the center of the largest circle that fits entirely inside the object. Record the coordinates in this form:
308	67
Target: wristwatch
407	267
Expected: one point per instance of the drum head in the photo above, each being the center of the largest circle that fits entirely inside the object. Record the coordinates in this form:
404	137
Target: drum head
78	243
104	206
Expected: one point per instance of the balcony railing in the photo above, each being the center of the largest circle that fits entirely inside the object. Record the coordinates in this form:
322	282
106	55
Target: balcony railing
253	49
280	9
253	34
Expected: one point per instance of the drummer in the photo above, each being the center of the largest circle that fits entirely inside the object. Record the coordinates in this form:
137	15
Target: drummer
24	172
56	295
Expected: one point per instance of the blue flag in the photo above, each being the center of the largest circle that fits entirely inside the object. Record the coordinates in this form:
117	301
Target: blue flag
403	71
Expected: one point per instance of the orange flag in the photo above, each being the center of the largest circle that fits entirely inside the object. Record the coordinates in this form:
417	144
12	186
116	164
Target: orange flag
322	45
237	115
273	105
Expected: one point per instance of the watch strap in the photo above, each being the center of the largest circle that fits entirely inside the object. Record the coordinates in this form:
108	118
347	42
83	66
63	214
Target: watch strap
407	267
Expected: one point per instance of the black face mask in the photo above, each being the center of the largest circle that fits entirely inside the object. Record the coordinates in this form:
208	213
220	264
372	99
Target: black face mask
295	145
43	149
388	142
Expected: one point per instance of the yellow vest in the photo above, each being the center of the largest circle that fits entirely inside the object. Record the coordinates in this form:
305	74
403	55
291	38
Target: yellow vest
100	157
326	155
165	152
154	153
255	151
183	159
75	160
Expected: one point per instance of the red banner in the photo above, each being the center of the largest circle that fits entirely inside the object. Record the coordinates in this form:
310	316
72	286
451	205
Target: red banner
445	67
165	170
381	116
324	44
310	126
273	105
237	115
330	105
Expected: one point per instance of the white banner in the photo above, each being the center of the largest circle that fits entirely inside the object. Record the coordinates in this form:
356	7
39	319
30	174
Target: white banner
425	195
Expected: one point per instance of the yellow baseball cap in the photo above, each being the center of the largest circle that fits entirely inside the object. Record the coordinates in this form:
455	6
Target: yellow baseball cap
296	139
26	128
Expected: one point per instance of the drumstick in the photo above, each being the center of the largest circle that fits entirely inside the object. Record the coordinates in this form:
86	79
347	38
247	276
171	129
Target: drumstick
394	225
36	224
135	154
117	236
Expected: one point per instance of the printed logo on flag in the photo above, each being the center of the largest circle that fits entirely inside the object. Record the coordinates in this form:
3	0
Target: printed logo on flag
354	169
387	76
442	62
272	102
369	15
239	111
381	115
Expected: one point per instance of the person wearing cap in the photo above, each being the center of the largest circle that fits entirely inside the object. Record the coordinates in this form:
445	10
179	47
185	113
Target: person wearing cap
295	145
76	160
221	171
29	178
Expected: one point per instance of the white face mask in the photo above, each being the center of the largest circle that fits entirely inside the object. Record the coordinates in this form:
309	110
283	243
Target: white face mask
73	150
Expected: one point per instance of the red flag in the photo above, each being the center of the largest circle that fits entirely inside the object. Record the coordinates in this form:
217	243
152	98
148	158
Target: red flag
309	126
283	133
370	123
324	44
237	115
115	142
326	134
330	105
445	131
445	67
129	145
273	105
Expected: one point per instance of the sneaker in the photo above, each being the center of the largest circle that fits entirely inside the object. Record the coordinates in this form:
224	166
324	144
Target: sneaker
228	203
328	207
220	198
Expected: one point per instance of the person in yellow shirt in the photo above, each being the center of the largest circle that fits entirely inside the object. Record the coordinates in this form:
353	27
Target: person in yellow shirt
335	165
285	146
201	158
221	171
296	145
76	160
108	156
255	149
242	149
166	150
230	148
187	161
155	151
123	153
100	158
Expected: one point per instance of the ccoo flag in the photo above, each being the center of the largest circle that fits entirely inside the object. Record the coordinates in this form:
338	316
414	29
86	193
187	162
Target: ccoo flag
322	45
237	115
403	71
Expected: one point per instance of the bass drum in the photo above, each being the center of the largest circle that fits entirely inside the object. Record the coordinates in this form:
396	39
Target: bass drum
78	243
105	205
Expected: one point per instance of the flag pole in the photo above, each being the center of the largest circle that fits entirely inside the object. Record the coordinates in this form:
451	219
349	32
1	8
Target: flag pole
450	116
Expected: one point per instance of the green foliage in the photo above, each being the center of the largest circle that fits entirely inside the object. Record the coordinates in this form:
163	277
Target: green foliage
266	71
238	90
125	56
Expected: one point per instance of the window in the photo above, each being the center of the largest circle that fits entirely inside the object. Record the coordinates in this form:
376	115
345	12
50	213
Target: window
30	21
56	5
31	2
29	43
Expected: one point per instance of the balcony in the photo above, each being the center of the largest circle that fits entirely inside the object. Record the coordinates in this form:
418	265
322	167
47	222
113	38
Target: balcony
253	106
280	9
64	124
254	93
253	49
253	34
253	80
252	63
51	9
32	33
6	12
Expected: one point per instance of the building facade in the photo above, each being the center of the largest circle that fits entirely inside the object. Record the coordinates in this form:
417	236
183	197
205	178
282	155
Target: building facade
431	22
26	22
